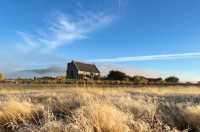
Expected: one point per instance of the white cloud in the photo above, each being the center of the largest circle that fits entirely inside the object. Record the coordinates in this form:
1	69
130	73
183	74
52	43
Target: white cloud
64	30
29	42
151	57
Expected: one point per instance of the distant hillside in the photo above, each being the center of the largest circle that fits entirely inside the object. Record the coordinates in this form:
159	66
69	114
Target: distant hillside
51	71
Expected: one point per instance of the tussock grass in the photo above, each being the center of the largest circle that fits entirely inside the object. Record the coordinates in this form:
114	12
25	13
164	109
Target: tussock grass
99	110
44	89
15	112
191	114
101	117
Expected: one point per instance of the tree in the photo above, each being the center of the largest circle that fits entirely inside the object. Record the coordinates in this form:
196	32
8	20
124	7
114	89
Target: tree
117	75
1	77
139	80
172	79
155	80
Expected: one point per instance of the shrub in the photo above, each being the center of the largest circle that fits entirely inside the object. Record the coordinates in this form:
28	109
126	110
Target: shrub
155	80
117	75
139	80
172	79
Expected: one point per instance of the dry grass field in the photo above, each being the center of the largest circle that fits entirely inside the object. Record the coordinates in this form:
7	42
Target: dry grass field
91	109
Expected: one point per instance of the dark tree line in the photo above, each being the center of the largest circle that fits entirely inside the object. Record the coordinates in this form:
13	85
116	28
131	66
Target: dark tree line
118	75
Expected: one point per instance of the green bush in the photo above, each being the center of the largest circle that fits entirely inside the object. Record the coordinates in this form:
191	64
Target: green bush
172	79
117	75
139	80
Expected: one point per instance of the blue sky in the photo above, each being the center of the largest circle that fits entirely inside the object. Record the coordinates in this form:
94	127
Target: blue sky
157	35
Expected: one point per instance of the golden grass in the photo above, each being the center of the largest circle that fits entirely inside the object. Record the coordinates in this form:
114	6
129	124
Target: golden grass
105	118
14	112
181	90
99	109
191	113
169	90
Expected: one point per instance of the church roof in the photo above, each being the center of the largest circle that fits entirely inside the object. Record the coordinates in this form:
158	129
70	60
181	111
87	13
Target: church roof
86	67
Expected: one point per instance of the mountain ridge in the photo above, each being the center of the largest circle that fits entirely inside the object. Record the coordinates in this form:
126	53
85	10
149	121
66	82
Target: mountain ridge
50	71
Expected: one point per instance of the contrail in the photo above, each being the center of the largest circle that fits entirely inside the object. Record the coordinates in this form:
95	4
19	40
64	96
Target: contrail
150	57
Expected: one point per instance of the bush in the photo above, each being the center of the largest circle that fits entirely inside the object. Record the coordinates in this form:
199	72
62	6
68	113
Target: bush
172	79
117	75
139	80
155	80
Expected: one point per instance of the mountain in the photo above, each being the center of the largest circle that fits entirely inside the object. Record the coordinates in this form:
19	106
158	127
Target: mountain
50	71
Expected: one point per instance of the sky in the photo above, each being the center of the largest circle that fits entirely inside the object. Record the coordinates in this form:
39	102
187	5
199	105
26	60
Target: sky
149	35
